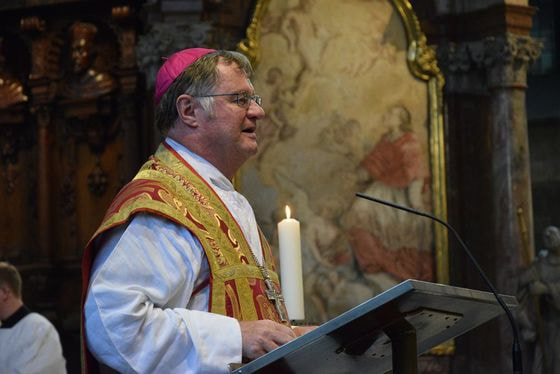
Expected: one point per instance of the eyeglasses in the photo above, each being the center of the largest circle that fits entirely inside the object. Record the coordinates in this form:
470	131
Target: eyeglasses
243	99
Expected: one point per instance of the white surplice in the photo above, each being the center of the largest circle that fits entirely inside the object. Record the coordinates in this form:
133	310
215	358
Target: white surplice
140	312
31	346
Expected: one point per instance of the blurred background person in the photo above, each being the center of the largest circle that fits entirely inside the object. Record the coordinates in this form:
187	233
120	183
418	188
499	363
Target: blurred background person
29	343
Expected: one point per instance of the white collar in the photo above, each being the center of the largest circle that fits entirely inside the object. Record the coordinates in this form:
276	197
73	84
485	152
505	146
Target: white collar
204	168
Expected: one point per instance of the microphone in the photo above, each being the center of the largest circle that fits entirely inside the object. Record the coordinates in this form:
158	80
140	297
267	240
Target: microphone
516	347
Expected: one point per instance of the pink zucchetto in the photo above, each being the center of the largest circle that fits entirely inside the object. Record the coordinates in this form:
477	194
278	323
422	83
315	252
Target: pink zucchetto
173	66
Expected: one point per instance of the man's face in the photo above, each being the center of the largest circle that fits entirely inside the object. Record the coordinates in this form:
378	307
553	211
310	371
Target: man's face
231	132
392	119
4	294
80	55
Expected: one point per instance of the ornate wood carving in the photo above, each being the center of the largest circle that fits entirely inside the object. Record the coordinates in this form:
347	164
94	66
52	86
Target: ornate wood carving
504	58
69	126
73	102
69	133
13	104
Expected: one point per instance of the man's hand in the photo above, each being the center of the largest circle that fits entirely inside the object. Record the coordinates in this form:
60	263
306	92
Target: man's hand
260	337
300	330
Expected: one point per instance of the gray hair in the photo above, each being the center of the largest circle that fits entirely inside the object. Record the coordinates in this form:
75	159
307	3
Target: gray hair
198	79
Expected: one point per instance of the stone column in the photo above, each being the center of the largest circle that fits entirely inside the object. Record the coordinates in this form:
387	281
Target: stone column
506	59
489	176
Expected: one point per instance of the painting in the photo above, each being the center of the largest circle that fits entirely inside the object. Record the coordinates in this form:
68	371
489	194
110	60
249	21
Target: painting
352	95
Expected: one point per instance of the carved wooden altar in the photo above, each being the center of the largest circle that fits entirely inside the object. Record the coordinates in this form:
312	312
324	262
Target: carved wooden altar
70	125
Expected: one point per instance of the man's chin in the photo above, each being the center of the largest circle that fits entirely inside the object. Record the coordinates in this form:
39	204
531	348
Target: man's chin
251	148
253	151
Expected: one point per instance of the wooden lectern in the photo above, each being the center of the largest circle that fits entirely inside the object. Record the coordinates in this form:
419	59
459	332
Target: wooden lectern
386	332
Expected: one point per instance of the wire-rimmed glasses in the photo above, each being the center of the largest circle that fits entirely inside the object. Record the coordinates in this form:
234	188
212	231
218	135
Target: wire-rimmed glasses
243	99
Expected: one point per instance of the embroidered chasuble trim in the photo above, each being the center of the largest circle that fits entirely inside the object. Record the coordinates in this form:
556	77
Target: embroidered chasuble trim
245	291
168	186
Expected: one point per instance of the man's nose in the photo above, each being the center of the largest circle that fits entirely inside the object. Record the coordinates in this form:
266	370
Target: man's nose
255	111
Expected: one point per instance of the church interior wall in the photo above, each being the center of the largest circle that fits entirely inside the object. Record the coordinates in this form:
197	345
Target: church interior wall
62	157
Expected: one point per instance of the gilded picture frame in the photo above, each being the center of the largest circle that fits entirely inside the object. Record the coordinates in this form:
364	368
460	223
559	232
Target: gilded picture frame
269	187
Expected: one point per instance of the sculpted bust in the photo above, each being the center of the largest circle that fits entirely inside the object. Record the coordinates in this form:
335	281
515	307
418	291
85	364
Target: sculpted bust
85	81
539	293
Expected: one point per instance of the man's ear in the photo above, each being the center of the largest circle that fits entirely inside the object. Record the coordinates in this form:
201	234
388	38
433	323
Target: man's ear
185	105
3	292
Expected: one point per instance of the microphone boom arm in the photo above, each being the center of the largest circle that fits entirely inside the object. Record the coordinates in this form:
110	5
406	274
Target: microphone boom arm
516	348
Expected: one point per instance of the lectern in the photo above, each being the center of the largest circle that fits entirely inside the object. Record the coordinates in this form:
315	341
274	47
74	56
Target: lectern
386	332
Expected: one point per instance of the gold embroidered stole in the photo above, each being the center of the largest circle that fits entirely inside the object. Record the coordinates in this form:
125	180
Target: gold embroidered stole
167	186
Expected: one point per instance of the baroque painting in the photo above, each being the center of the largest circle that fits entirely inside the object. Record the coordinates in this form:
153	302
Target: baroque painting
345	114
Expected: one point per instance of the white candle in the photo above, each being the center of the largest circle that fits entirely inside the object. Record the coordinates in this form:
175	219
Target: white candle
290	266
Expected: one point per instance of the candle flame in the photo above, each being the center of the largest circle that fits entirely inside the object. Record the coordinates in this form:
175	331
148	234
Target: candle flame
288	211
